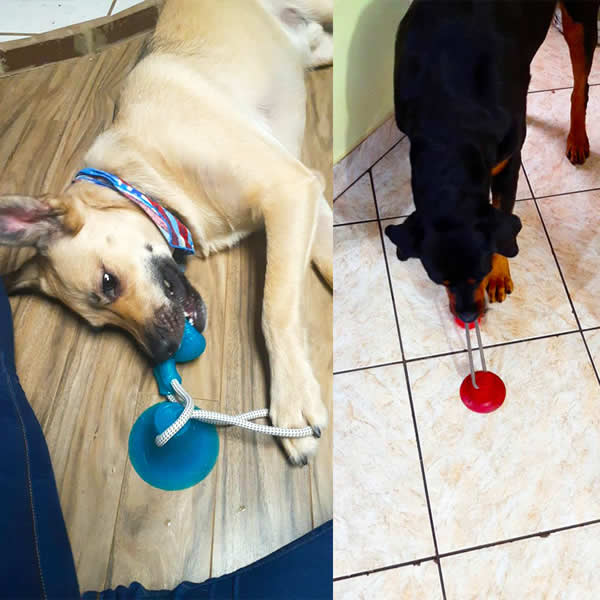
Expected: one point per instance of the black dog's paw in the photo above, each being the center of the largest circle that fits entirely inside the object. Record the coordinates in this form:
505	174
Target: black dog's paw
395	237
407	237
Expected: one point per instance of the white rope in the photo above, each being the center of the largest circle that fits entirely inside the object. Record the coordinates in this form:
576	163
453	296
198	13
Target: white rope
206	416
470	352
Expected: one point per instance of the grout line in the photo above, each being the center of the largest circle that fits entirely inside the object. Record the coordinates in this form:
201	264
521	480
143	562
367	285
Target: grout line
528	536
369	168
408	215
531	199
408	563
112	7
595	189
542	534
558	89
355	222
409	390
564	282
376	366
464	350
381	219
495	345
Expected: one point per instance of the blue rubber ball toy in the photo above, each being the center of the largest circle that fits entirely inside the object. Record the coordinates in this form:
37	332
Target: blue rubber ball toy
189	456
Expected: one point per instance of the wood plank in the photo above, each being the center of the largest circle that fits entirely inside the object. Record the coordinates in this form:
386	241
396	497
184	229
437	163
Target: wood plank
78	40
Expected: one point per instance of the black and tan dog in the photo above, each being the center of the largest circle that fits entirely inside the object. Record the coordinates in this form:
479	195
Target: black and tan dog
461	79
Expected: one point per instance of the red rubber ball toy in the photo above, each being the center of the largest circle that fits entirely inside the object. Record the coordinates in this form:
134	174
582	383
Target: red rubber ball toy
487	397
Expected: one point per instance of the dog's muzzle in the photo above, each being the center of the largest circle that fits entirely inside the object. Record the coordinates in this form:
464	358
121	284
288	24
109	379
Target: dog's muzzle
182	302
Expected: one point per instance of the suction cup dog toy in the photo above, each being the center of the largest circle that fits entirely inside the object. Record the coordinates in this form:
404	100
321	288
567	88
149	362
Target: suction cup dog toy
173	445
481	391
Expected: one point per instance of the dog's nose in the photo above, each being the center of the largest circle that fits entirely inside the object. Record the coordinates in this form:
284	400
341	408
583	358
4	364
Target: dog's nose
468	316
162	349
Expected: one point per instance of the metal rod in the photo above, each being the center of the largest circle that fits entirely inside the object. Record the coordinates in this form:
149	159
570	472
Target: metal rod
483	367
472	367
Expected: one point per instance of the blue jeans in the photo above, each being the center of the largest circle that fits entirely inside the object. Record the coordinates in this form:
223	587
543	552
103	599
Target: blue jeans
35	554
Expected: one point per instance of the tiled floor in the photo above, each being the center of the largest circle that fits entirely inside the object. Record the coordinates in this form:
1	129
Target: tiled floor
433	501
22	18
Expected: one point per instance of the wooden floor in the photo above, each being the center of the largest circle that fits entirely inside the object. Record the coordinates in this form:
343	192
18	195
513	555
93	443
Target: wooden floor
88	387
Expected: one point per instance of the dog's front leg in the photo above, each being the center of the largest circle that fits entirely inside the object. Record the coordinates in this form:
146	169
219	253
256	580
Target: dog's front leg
290	216
498	282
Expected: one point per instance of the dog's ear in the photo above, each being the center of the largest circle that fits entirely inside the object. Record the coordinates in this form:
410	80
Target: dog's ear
502	230
35	221
407	236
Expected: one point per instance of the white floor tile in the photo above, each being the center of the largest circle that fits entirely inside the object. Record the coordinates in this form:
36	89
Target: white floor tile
124	4
39	16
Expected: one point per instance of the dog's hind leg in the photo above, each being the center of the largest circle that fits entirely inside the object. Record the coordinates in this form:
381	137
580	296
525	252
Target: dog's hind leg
290	214
580	27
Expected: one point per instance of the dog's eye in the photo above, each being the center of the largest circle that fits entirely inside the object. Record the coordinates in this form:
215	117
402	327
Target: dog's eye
110	286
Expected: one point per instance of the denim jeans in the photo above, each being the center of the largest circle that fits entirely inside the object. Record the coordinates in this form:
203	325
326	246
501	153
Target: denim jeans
35	555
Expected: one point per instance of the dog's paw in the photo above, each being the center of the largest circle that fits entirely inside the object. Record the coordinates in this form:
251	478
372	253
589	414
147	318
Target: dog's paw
295	405
578	148
321	47
499	282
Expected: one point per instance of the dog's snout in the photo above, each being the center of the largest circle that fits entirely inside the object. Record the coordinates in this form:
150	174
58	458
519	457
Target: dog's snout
161	348
466	306
164	333
468	316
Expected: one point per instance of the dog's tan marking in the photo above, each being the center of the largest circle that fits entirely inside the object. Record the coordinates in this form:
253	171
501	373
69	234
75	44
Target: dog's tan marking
498	282
500	166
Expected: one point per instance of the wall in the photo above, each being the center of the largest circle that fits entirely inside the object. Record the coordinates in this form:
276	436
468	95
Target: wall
364	33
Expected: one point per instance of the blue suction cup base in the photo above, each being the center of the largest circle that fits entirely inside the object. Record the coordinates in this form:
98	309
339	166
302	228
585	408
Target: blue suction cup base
185	460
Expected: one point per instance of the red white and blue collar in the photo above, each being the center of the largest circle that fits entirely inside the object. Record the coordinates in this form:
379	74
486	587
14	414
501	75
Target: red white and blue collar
178	236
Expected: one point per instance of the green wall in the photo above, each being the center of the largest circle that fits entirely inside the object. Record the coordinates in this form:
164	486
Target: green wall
364	33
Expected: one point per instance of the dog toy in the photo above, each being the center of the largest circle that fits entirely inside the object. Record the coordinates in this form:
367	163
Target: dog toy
173	445
481	391
462	324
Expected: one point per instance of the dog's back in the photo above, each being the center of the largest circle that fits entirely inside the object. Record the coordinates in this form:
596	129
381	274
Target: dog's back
453	57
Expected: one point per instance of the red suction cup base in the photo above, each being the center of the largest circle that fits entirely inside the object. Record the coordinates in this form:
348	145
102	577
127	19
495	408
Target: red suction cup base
488	397
462	323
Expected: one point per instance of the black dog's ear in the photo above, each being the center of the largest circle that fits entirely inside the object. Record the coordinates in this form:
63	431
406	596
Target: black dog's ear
504	232
407	236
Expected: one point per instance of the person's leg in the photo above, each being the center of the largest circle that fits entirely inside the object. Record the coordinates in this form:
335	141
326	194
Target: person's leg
36	560
302	570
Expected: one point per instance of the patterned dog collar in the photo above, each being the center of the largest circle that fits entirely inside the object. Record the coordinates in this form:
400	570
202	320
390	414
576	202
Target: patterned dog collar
174	231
